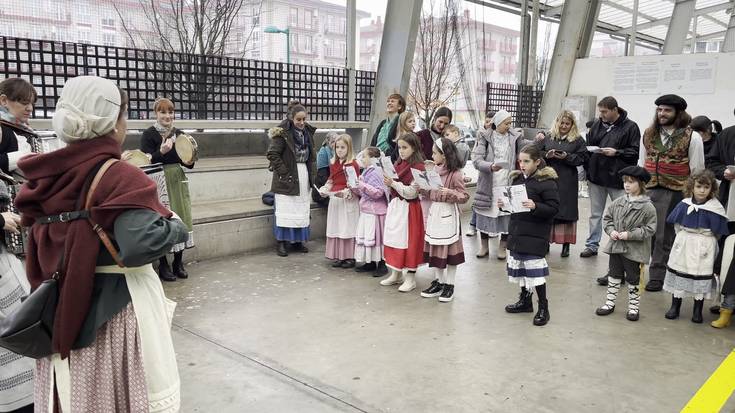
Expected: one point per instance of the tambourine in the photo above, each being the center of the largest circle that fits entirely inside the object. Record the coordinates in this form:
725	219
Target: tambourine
187	149
138	158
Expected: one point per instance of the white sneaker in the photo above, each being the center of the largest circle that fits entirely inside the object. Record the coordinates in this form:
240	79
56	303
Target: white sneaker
409	284
393	279
471	232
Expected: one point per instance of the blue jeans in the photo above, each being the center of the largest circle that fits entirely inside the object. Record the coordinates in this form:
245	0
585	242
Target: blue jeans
473	220
728	302
598	199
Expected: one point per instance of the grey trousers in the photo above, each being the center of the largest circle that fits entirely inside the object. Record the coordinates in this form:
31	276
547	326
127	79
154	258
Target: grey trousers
664	200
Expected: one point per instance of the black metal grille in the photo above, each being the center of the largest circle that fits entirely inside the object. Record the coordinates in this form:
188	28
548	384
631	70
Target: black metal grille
364	85
521	101
202	87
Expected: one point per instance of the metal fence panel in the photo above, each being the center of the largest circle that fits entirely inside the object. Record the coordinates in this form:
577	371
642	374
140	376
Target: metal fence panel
202	87
521	101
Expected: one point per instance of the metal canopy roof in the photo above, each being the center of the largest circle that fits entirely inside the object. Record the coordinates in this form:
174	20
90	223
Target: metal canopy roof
710	20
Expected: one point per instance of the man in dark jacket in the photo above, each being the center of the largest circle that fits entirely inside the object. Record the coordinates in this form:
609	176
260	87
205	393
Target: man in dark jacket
720	156
618	139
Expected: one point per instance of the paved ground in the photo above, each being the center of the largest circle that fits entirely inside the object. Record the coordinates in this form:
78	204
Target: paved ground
259	333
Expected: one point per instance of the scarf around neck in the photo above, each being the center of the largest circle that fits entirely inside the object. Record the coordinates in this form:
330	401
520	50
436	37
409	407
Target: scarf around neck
54	184
164	131
9	119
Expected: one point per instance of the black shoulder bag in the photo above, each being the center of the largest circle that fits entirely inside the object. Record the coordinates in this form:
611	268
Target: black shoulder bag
29	329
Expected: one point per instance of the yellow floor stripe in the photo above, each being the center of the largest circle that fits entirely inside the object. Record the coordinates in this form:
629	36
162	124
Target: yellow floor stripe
715	392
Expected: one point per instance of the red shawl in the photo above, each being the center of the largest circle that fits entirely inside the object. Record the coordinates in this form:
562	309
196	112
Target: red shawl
54	184
403	169
338	176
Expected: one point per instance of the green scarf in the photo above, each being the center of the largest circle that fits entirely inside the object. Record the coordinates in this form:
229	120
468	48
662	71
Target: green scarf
383	143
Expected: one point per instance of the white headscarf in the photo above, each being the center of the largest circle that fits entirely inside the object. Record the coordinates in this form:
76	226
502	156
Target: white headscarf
88	108
500	116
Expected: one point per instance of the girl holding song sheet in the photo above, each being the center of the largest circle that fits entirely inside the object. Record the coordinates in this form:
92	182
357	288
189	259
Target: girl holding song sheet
344	210
443	248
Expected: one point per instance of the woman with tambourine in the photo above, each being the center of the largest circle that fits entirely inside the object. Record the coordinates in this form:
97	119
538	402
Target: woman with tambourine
168	145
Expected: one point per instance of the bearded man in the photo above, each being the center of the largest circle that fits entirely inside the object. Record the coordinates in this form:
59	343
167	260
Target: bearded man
670	155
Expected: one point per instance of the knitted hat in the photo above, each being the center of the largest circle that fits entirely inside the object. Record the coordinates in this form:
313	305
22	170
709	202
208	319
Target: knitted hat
635	172
500	117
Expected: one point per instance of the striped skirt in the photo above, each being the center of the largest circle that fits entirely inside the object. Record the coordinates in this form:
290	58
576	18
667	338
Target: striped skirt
527	270
564	232
439	256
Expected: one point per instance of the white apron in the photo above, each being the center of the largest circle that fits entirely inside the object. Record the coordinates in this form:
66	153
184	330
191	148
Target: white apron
153	313
443	224
342	216
292	211
395	234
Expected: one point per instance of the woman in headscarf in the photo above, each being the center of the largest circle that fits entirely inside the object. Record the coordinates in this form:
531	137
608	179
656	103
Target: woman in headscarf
565	150
387	132
112	329
494	156
292	159
17	97
159	141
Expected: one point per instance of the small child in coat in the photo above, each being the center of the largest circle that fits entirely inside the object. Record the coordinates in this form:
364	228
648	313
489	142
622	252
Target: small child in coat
699	220
630	222
529	233
373	206
443	248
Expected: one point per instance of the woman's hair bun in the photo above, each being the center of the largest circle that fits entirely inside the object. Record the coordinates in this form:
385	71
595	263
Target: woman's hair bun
292	103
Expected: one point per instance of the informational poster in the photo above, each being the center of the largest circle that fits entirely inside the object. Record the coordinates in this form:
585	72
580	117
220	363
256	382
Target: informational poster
662	76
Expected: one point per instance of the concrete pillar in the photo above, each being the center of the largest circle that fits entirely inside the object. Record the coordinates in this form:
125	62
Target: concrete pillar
633	30
523	50
681	18
729	44
351	57
572	40
397	47
588	31
532	46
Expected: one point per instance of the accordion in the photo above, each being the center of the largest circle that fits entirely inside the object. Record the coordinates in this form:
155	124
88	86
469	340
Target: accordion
17	243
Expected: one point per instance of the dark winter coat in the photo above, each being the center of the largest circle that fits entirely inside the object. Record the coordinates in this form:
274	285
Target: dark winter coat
529	232
566	169
283	159
9	143
623	135
392	135
721	154
427	138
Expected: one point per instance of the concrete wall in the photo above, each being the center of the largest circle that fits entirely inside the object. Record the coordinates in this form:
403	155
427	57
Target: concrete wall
596	77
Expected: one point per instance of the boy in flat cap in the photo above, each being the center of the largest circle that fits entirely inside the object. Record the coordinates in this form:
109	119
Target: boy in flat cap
670	155
630	222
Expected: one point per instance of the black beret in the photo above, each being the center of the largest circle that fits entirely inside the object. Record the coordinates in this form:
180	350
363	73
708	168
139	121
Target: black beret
636	172
674	101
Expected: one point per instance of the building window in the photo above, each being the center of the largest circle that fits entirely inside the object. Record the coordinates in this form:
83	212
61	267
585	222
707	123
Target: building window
308	43
83	36
342	25
330	23
293	20
342	49
84	14
308	19
108	39
108	22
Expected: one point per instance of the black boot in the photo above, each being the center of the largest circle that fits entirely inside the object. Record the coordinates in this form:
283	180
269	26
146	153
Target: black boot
164	270
697	312
381	270
565	250
370	266
179	269
524	303
299	247
542	315
715	309
281	249
673	312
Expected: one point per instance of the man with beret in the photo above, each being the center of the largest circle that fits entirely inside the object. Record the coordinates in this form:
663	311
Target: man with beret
670	155
618	138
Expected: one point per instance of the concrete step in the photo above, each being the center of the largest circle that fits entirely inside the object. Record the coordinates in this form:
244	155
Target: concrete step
229	178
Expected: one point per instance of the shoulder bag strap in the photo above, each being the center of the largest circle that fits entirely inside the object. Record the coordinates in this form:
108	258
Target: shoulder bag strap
87	206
